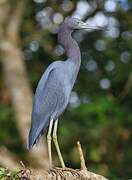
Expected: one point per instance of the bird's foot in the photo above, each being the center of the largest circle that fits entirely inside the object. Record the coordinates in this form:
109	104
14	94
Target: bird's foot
58	170
73	171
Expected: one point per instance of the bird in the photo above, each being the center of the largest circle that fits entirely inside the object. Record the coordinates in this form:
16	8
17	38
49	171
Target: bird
54	88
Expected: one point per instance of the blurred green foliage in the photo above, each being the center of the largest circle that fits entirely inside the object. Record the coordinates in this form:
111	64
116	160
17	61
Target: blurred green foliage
100	114
9	135
6	174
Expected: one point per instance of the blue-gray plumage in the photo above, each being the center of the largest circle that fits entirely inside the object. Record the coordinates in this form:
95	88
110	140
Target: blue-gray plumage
55	86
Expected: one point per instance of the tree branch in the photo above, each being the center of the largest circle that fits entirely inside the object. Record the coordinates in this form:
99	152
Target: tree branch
65	175
21	95
4	12
59	173
15	75
15	20
68	173
8	159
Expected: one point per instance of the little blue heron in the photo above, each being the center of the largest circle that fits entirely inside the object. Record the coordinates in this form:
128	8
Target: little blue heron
55	86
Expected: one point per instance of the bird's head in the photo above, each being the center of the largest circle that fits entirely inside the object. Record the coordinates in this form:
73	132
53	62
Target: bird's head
73	23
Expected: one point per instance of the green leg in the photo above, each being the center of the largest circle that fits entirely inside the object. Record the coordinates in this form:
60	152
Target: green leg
49	139
57	145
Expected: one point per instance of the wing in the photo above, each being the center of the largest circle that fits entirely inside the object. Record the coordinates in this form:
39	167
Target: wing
49	97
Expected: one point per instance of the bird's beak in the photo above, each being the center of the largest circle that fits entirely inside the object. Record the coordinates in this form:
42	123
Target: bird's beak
83	25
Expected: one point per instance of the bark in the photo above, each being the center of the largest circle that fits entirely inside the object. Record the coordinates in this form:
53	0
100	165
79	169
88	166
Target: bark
60	174
65	174
8	159
52	174
15	75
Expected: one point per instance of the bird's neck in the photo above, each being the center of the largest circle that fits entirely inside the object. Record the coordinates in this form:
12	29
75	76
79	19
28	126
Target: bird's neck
70	45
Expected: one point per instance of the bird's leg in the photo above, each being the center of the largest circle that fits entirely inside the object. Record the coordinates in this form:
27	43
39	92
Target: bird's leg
49	139
57	145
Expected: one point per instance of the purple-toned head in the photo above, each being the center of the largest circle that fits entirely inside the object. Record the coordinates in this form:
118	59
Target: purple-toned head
73	23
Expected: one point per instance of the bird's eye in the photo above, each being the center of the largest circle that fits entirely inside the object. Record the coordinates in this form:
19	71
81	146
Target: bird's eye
78	22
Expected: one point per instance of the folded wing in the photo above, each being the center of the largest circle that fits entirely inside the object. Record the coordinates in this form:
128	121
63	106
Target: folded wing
49	95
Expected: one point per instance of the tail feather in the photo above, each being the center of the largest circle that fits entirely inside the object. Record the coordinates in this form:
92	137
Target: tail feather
35	134
32	142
